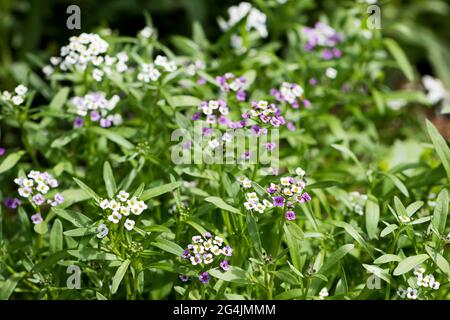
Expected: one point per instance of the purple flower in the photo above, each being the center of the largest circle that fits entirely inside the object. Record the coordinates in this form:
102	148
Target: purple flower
313	81
187	145
256	130
290	215
183	277
246	155
95	116
59	198
306	103
225	265
105	123
278	201
195	116
37	218
270	146
207	131
327	54
201	81
227	251
290	126
271	190
241	95
2	151
12	203
204	277
223	120
306	197
78	122
337	53
185	254
38	199
208	235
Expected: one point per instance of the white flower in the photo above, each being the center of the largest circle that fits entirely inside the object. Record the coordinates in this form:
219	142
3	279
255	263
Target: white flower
208	258
47	70
21	90
17	100
197	239
124	210
198	248
331	73
285	181
259	207
42	188
323	293
267	203
207	245
102	231
27	182
249	205
216	250
218	240
247	183
104	204
404	219
411	293
300	172
24	192
196	259
97	74
252	197
435	88
129	224
147	32
213	144
123	196
114	205
115	217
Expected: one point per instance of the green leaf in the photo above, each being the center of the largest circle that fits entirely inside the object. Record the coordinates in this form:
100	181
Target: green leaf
120	273
76	218
56	237
59	99
88	254
414	207
389	229
10	161
441	147
290	294
8	287
409	263
385	258
168	246
398	183
380	273
108	178
156	191
355	235
99	296
220	203
347	152
372	218
88	190
335	257
197	227
235	274
64	139
253	232
401	58
185	101
113	136
41	228
80	232
441	212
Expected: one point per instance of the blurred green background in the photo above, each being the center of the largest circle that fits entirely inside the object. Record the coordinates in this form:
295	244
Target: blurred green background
39	26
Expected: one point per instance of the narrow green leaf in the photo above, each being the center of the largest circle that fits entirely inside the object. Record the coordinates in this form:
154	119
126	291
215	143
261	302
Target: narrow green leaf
441	147
220	203
156	191
88	190
56	237
108	178
120	273
441	212
372	218
401	58
10	161
409	263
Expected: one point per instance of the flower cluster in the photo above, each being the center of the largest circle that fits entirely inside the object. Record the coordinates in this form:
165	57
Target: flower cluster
206	250
229	81
324	36
262	111
255	19
290	92
98	108
409	293
215	111
123	207
286	194
357	201
426	281
436	91
152	71
17	97
35	186
82	50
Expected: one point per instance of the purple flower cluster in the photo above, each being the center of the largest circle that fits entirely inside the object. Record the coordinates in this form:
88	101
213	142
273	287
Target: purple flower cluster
291	93
265	113
12	203
229	82
212	111
205	250
322	35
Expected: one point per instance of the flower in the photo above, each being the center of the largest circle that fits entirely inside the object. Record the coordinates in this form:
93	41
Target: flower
129	224
37	218
321	35
331	73
436	89
147	32
255	19
204	277
12	203
323	293
2	151
38	199
225	265
411	293
78	122
278	201
404	219
115	217
183	277
102	231
290	215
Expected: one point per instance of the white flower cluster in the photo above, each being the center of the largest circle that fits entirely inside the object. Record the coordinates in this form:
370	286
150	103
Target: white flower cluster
436	91
409	293
82	50
291	91
253	203
203	250
17	97
245	182
357	201
426	281
150	72
98	107
36	185
123	207
255	18
323	293
192	68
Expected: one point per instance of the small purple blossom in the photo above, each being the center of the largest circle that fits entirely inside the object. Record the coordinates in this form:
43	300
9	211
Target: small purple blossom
337	53
208	235
12	203
38	199
327	54
36	218
105	123
246	155
183	277
306	197
306	103
59	198
196	116
290	215
2	151
185	254
313	81
241	95
227	251
207	131
204	277
278	201
225	265
95	116
78	122
290	126
201	81
187	145
270	146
